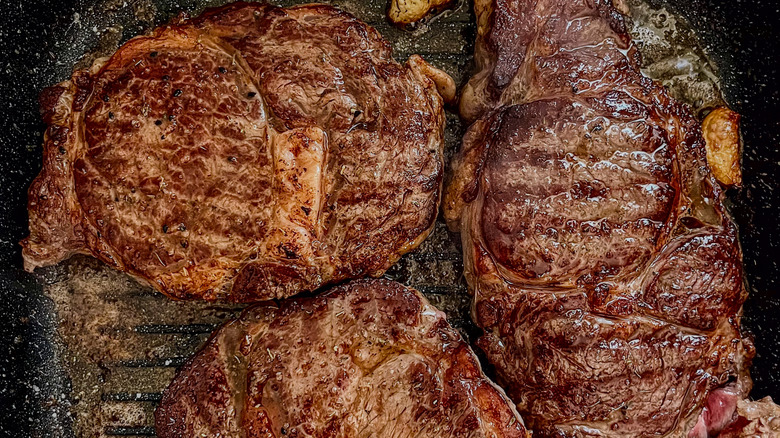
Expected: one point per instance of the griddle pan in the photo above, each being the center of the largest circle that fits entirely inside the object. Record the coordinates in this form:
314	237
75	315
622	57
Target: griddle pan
86	351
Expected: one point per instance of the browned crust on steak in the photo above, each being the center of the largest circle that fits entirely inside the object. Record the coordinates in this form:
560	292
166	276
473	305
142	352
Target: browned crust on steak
371	358
250	153
605	270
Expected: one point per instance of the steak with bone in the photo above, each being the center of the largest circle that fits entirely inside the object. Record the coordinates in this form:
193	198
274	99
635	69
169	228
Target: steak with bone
605	271
368	359
250	153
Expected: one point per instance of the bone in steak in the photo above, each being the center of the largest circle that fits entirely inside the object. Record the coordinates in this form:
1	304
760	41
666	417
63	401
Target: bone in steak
368	359
605	271
250	153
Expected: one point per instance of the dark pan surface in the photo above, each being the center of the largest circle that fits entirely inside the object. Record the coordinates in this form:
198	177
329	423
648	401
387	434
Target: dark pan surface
41	40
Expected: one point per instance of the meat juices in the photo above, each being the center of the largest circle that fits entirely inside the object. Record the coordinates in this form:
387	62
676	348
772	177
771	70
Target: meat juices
368	359
605	270
251	153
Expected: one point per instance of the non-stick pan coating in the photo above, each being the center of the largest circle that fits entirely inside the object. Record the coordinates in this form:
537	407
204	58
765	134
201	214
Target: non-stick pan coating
38	47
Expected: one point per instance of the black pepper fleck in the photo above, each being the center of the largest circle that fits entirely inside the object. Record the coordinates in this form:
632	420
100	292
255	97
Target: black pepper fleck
171	118
232	159
106	98
158	122
166	78
251	94
288	253
222	70
184	244
182	227
153	54
177	93
165	228
110	115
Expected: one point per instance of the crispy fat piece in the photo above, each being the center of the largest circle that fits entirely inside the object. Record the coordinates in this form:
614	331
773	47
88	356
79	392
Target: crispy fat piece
721	133
404	12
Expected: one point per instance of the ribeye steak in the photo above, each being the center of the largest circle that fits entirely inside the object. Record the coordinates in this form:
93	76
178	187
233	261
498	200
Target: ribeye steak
606	273
368	359
250	153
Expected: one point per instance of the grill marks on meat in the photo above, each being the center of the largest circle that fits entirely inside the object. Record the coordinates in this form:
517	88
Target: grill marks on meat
371	358
564	179
254	148
606	274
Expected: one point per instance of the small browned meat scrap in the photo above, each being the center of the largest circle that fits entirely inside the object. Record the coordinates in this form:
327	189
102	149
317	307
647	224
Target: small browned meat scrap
253	152
404	12
605	270
368	359
721	133
760	418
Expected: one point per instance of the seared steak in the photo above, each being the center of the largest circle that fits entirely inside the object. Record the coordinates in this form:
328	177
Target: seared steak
368	359
250	153
606	273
